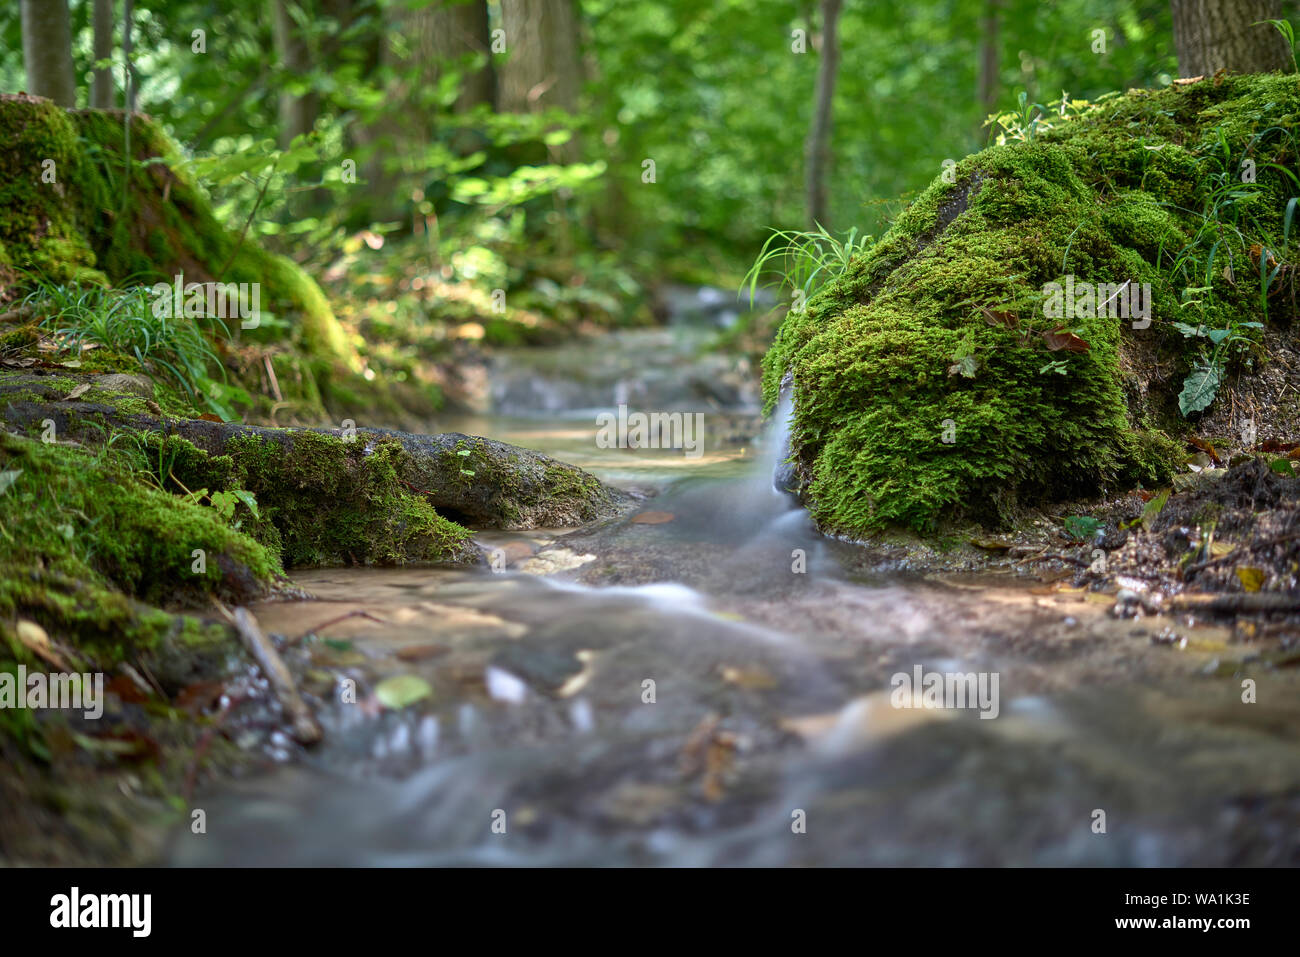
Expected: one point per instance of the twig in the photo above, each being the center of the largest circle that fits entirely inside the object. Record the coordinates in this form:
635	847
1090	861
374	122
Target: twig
306	730
1259	601
315	629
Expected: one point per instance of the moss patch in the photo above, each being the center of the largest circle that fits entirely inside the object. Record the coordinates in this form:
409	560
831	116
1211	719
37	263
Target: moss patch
924	386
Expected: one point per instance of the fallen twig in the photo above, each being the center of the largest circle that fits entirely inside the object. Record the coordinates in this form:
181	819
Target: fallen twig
306	730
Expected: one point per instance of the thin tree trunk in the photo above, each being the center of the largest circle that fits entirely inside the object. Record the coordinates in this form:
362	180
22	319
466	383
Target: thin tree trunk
458	30
989	57
817	150
47	51
297	113
101	89
1213	35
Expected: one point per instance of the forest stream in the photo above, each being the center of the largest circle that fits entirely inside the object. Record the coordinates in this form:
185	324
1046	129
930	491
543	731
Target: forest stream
707	680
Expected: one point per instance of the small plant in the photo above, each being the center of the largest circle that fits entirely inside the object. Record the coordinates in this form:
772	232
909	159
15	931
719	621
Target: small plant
86	317
1024	123
1082	528
1202	383
803	260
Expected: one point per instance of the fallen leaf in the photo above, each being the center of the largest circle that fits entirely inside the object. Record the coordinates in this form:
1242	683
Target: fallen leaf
199	696
35	640
77	392
209	417
1252	579
1205	447
1067	341
752	677
653	518
420	652
1000	317
401	691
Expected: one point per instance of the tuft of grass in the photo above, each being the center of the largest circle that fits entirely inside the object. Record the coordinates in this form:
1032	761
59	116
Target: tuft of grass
122	320
803	260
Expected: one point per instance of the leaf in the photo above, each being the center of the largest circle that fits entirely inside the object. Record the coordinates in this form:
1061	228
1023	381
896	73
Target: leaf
35	640
400	691
1200	388
1082	528
1000	317
1060	339
965	365
1205	447
248	498
8	478
1154	506
1252	579
209	417
77	392
653	518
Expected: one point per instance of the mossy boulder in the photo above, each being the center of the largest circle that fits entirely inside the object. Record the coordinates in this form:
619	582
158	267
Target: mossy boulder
92	555
931	380
72	211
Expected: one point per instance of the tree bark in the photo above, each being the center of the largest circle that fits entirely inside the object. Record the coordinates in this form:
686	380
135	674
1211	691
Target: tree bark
989	56
1213	35
543	68
459	29
47	51
101	89
817	150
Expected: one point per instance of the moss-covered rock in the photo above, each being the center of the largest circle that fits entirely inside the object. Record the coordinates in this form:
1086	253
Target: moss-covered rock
72	211
930	380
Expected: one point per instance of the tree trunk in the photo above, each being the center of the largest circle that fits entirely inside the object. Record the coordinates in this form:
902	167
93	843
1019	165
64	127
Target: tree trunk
460	29
989	57
818	147
101	90
543	68
47	51
1213	35
297	113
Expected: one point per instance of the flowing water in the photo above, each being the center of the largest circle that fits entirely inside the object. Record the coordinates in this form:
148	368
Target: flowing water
710	683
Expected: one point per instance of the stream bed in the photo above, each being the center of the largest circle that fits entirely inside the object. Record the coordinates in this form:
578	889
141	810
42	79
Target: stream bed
708	681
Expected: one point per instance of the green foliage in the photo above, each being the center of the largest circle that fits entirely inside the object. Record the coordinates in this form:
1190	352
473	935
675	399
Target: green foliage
1288	33
78	317
803	260
937	321
1082	528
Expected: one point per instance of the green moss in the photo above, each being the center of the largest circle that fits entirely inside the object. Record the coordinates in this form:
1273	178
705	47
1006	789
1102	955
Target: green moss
324	500
1109	197
90	551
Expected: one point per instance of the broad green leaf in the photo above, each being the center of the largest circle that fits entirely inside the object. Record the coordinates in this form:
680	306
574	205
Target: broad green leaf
1200	388
401	691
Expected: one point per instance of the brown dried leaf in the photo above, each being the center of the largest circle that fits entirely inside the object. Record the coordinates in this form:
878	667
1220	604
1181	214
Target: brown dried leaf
653	518
35	640
77	392
1061	340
